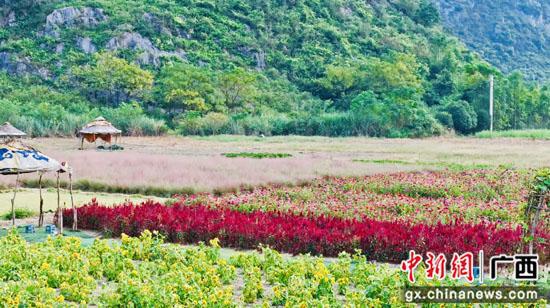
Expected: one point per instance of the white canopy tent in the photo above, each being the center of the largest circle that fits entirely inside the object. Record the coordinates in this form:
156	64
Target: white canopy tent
17	158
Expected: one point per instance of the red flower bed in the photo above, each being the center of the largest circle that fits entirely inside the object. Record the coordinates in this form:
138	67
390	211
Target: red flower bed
381	241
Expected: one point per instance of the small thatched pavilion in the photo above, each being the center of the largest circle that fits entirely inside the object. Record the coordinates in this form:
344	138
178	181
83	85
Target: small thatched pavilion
8	131
99	129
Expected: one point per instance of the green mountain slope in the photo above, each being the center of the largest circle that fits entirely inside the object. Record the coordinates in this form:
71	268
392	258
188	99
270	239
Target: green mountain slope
513	35
348	67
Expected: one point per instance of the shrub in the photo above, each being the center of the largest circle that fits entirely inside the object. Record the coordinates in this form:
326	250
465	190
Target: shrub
445	118
464	116
20	213
381	241
214	123
131	119
257	155
211	124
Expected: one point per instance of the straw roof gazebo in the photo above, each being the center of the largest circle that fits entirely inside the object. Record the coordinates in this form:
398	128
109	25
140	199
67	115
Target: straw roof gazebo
9	131
98	129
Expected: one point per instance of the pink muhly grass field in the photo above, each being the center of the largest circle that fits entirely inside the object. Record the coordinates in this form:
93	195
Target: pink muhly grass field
204	172
197	163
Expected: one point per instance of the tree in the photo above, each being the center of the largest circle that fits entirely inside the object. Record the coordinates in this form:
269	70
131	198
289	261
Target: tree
184	87
391	118
427	14
237	87
464	116
186	99
338	81
362	101
116	77
397	77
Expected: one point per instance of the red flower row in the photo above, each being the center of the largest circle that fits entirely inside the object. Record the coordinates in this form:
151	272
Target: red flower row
379	240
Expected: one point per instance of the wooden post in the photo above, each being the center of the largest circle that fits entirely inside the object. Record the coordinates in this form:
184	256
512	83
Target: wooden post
59	213
61	219
13	200
491	102
82	143
75	216
41	215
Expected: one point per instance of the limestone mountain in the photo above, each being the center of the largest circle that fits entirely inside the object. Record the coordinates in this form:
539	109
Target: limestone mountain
511	34
308	67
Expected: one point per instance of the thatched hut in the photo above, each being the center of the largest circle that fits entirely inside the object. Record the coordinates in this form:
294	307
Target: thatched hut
8	131
99	129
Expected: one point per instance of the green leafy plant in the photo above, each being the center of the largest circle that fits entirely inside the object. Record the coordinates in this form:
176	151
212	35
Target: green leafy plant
257	155
20	213
541	181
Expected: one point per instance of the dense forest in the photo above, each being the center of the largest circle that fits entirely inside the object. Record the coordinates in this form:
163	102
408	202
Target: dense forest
273	67
511	34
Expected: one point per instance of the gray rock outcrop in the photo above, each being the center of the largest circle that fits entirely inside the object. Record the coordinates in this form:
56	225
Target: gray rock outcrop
150	55
86	45
14	65
71	17
257	54
156	23
59	48
7	19
260	60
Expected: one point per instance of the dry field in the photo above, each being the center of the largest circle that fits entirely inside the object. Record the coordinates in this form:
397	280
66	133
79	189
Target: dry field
198	163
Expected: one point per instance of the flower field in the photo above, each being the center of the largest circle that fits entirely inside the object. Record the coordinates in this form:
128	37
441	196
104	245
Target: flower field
416	197
385	216
144	272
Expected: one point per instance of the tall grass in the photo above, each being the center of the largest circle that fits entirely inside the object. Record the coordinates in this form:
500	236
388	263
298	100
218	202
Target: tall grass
35	127
48	120
528	133
92	186
328	124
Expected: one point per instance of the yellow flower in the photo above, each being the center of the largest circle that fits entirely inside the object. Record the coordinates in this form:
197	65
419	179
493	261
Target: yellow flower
215	242
45	266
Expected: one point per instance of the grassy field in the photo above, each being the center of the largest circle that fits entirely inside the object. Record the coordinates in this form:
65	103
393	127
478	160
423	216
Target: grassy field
167	165
543	134
29	199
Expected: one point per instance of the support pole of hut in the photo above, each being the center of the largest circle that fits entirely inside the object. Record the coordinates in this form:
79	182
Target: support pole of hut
75	216
41	215
61	220
59	211
13	200
82	143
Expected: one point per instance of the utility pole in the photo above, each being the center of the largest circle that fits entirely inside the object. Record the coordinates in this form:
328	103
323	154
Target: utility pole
491	98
